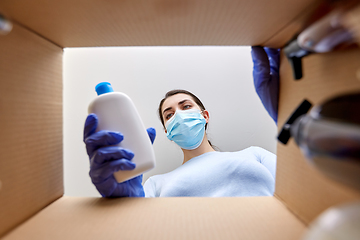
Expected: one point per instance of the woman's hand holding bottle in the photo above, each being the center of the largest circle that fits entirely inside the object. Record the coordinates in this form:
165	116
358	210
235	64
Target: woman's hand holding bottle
105	159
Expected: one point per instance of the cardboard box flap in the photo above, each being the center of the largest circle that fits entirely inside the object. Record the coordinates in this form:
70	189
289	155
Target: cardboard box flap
90	23
31	167
162	218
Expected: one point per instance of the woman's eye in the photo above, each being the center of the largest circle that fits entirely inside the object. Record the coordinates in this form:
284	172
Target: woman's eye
169	116
187	106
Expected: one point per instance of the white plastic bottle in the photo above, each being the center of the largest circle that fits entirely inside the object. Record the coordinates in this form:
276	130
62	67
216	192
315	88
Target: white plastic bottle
117	112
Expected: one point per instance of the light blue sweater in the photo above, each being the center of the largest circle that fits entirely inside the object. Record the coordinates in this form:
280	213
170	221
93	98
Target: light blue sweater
250	172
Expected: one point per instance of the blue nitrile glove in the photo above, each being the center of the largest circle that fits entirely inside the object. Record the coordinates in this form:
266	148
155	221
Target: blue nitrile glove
266	77
106	159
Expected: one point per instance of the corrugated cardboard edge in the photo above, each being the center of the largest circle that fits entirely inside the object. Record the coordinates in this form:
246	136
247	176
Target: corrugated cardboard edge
31	166
162	218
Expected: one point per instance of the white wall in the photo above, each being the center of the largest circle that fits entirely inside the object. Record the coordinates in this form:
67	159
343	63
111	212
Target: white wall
220	76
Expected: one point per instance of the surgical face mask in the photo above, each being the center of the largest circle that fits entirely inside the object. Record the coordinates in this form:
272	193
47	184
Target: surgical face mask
186	128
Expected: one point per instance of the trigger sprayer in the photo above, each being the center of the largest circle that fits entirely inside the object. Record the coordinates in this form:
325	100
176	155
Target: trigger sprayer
329	136
322	36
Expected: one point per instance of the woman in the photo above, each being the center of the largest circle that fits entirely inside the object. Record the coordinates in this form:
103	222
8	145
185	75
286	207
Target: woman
204	172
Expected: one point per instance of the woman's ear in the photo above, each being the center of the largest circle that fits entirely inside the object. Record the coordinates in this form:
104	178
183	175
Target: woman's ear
206	115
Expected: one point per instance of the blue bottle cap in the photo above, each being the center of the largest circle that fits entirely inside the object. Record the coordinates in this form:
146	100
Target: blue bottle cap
103	87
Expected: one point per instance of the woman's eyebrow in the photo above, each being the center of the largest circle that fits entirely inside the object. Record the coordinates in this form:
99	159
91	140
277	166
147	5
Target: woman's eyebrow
181	102
167	109
185	100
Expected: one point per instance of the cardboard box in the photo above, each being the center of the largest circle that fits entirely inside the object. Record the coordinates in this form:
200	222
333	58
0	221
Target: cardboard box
31	176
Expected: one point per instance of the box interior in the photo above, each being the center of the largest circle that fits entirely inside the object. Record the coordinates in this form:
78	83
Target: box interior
31	107
31	168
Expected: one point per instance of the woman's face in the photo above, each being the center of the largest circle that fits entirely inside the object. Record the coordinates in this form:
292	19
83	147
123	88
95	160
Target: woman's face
179	101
